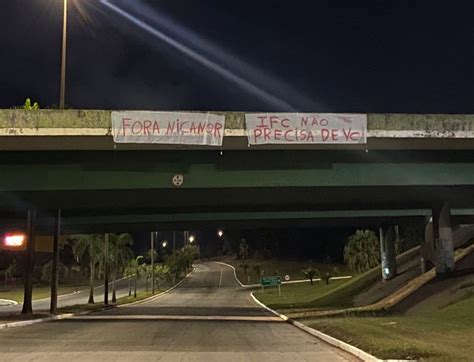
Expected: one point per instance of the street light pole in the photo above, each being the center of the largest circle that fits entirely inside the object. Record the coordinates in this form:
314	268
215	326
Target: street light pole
62	91
152	257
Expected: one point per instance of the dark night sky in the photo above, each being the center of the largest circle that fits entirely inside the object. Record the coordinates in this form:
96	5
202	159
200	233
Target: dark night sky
352	56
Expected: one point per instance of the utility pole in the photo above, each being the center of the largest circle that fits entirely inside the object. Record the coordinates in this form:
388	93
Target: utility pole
106	270
62	91
152	240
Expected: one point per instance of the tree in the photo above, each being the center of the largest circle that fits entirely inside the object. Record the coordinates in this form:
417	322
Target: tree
310	273
66	255
119	255
92	247
129	273
245	267
362	251
136	269
9	272
190	252
330	274
256	269
47	271
162	272
146	270
243	249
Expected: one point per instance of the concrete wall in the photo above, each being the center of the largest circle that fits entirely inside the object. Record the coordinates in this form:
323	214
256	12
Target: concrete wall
429	123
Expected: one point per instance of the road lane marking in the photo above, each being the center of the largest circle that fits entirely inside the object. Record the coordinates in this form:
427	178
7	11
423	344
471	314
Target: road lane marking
180	317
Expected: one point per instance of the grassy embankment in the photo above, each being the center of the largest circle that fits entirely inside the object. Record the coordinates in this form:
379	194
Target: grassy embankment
440	329
438	334
338	294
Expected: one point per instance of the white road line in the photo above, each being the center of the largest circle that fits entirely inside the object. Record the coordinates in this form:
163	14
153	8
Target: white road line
181	317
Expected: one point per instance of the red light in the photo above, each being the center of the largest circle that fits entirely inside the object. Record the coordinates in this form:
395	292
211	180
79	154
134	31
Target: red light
14	240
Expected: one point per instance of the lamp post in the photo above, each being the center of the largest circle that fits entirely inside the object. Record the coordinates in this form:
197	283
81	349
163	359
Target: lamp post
62	91
152	257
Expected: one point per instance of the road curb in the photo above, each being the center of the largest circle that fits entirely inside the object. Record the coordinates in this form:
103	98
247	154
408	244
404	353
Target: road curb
34	321
159	295
326	338
357	352
8	301
70	315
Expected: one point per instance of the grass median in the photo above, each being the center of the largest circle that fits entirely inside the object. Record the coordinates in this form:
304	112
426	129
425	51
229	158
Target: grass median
279	267
78	308
445	334
40	292
295	295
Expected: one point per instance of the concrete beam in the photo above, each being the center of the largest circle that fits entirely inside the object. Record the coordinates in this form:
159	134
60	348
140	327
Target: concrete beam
91	130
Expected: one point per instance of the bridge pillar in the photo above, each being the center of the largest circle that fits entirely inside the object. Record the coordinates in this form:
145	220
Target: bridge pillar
388	240
442	244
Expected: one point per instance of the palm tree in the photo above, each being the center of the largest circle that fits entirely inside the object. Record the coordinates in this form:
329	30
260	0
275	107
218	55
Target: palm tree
90	246
243	249
129	273
310	273
145	269
162	272
136	268
119	254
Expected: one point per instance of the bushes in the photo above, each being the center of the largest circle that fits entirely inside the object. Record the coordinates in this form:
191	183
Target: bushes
181	260
47	271
362	251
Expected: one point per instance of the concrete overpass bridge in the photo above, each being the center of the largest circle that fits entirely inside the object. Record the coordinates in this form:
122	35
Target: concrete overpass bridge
413	166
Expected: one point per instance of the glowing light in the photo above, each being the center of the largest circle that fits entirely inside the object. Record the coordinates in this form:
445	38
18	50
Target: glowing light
14	240
206	61
220	233
164	243
191	238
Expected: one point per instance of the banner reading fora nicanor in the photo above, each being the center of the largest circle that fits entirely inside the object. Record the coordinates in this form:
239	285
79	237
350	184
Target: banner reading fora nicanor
262	128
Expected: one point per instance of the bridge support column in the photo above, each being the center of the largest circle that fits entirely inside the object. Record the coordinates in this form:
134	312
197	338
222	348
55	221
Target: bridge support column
54	269
443	245
388	240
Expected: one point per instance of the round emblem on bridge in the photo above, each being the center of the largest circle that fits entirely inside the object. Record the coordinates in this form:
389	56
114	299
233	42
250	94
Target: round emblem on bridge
178	180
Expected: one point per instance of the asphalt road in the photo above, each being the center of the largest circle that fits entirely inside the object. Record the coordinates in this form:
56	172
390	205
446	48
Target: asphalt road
208	318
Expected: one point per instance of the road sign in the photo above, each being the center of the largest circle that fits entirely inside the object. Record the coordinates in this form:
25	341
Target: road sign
268	281
287	277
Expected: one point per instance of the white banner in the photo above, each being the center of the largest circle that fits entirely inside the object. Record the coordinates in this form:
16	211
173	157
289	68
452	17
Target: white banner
305	128
168	128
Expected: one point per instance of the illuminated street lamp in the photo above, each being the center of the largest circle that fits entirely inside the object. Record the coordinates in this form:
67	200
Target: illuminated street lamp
164	243
191	238
220	233
14	241
62	90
